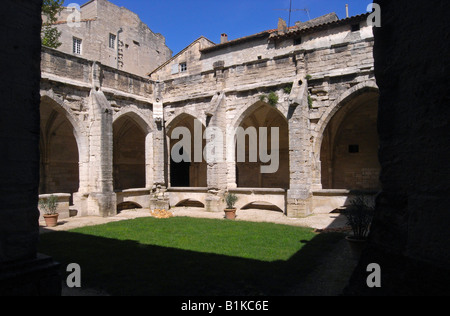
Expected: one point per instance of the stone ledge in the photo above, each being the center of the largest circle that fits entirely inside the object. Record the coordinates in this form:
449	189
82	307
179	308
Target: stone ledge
258	191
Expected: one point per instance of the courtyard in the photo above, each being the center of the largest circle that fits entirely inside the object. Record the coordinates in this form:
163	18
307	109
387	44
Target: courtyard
203	254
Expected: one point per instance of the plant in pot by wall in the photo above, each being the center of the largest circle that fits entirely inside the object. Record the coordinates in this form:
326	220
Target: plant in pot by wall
230	211
49	206
359	215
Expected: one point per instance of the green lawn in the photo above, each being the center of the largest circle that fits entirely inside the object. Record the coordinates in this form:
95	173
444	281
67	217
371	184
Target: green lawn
187	256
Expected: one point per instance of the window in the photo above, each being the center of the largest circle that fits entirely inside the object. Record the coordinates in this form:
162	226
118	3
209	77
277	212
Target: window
183	67
112	41
355	27
298	41
353	149
77	46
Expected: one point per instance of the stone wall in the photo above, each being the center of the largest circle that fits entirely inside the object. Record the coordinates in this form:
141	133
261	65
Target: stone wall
136	50
114	113
409	238
22	270
225	83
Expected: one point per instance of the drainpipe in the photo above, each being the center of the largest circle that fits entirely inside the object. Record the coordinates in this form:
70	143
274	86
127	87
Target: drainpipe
118	41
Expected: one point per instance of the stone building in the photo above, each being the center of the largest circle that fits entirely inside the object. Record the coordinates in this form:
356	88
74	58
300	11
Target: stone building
106	133
111	35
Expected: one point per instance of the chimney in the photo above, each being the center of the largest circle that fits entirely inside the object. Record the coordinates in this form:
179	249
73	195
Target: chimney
346	10
223	38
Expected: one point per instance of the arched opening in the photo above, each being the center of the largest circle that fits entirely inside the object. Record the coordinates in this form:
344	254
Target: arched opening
262	206
191	171
190	203
129	164
59	156
127	206
349	152
249	173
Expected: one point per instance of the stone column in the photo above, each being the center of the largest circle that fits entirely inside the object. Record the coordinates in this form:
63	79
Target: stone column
22	270
299	196
217	170
159	199
102	199
149	169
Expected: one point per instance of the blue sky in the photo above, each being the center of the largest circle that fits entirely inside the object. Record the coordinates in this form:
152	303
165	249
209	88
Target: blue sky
183	21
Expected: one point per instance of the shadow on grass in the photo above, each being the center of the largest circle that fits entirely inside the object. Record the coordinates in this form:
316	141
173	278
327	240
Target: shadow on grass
128	268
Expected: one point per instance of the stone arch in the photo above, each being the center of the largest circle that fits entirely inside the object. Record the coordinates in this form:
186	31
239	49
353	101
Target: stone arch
132	149
190	203
180	115
243	113
78	129
262	205
127	206
348	152
59	113
139	117
186	174
336	106
259	114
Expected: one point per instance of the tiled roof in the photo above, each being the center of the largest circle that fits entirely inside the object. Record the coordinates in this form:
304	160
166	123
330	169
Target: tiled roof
291	31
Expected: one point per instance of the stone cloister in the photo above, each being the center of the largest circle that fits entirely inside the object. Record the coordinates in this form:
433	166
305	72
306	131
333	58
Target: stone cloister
106	134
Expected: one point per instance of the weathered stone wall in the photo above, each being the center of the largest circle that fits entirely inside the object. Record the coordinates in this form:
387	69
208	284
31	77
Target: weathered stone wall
409	238
87	98
226	82
224	86
137	49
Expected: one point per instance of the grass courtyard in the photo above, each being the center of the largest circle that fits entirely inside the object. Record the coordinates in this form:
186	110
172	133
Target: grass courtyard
189	256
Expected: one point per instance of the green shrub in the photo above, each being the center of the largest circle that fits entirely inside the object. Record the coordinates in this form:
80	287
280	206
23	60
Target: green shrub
49	205
273	99
231	200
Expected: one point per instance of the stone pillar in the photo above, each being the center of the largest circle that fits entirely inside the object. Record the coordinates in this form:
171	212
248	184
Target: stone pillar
410	234
299	196
160	198
22	270
149	169
217	170
102	199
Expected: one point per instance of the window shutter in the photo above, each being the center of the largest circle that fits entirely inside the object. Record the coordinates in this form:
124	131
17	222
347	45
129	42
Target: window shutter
175	69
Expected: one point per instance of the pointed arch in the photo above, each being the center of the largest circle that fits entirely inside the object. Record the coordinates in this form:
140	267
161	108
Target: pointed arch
249	174
243	113
144	122
64	147
185	173
347	141
338	104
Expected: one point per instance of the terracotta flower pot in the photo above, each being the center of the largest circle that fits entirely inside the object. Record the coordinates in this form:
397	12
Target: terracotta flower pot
230	214
356	246
51	220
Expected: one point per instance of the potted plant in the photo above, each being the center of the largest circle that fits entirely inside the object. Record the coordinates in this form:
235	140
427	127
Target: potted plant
359	215
230	211
49	206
